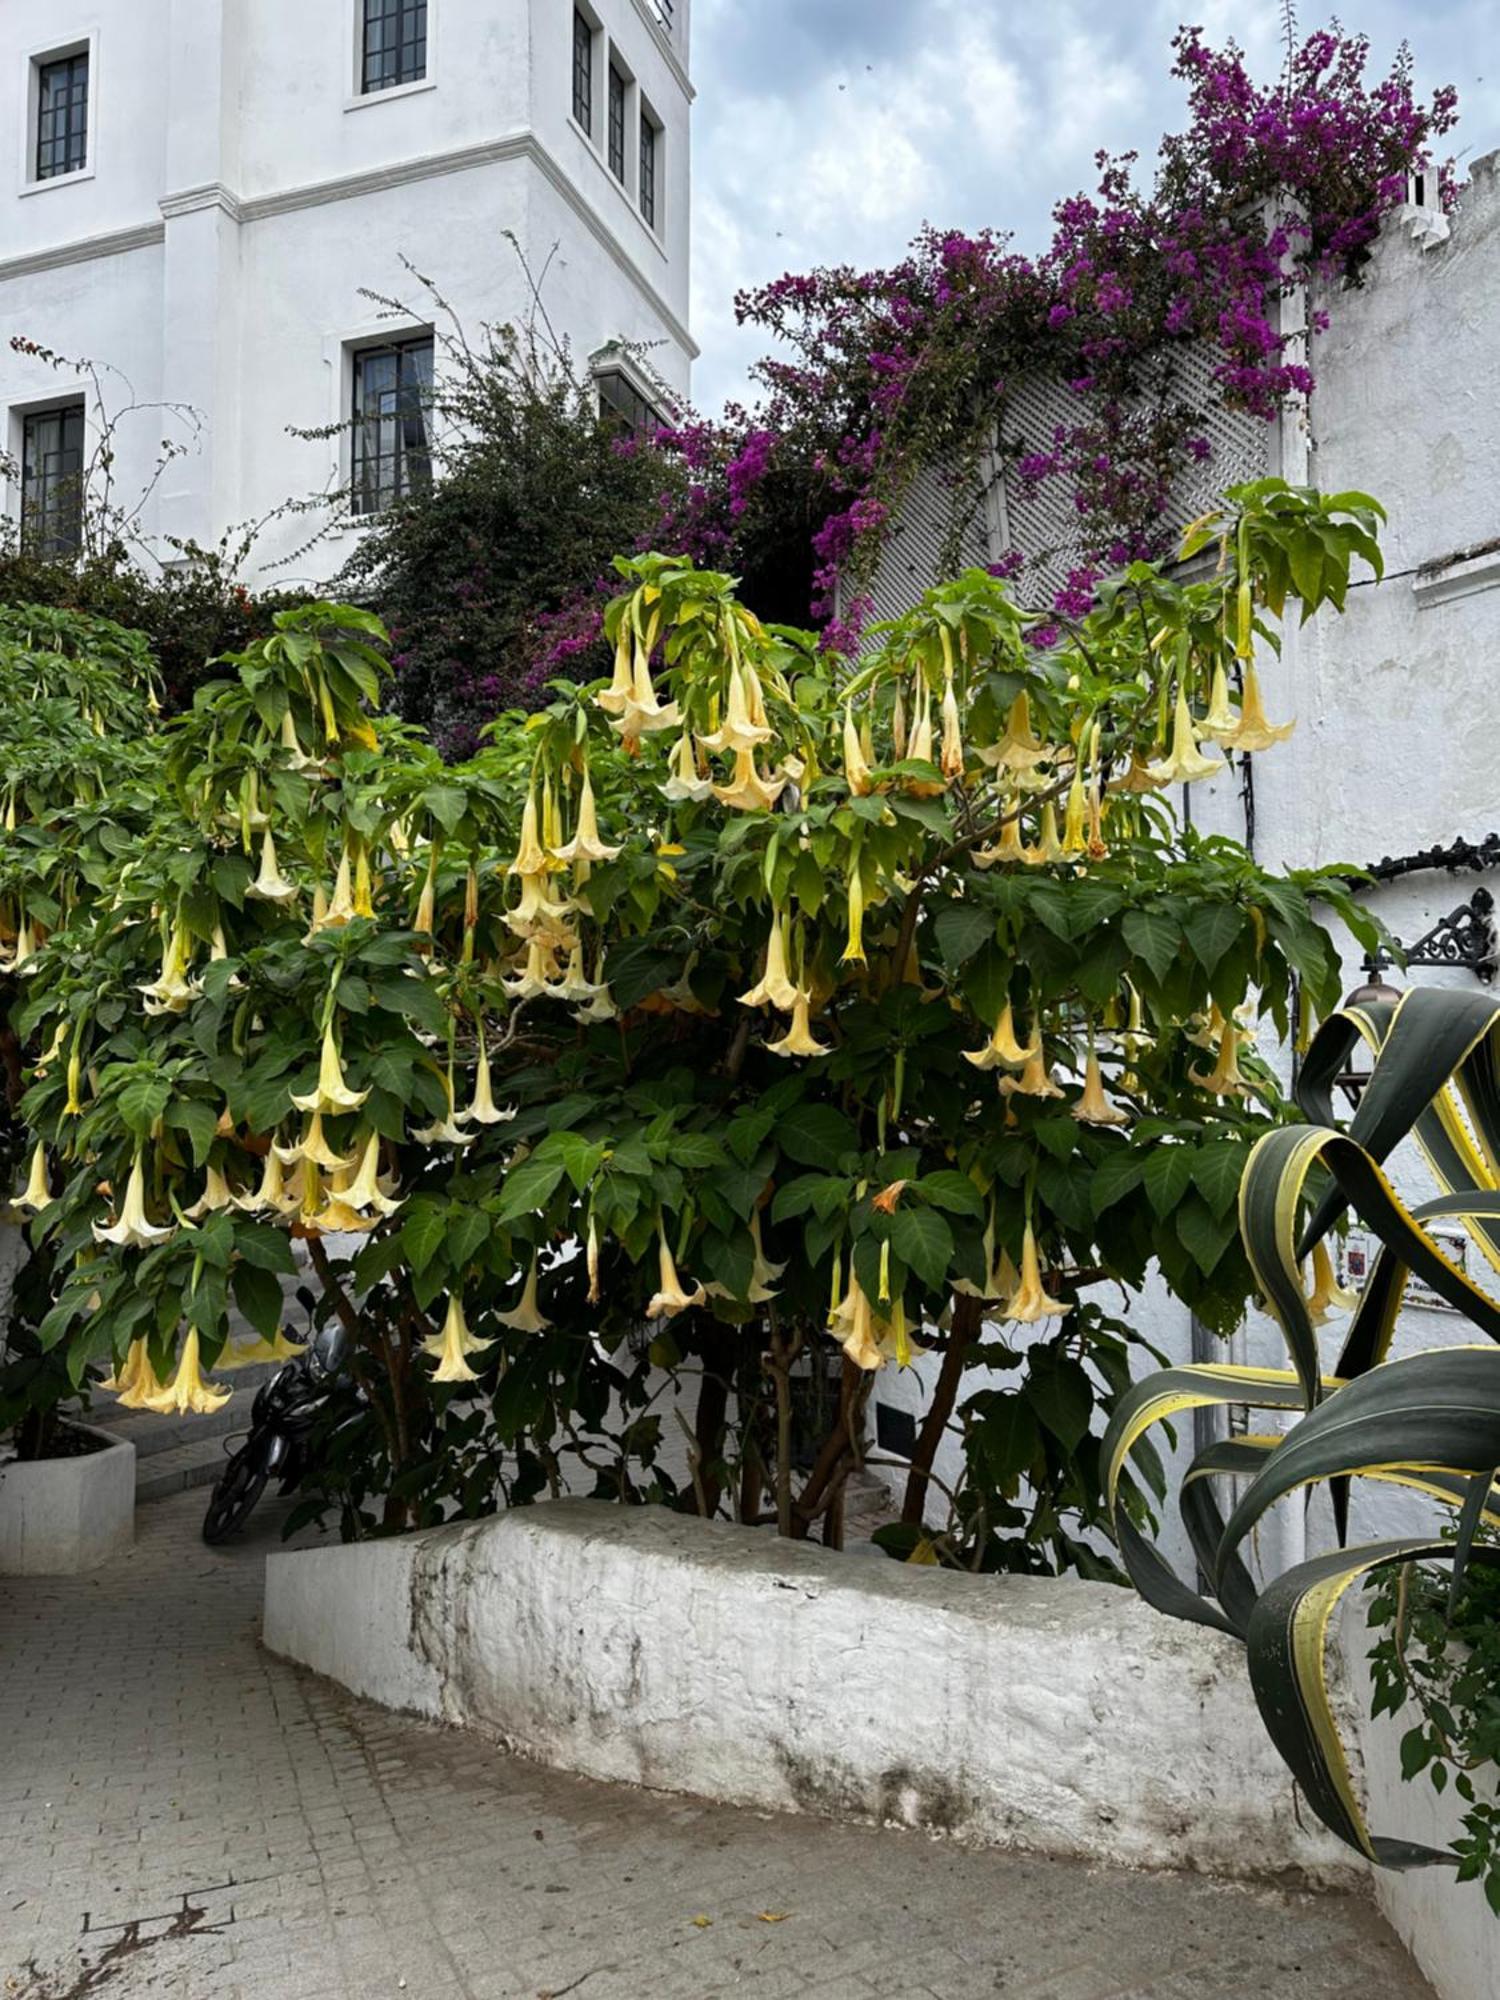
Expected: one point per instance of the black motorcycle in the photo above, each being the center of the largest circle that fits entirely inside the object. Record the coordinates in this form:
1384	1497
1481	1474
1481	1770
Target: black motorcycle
285	1411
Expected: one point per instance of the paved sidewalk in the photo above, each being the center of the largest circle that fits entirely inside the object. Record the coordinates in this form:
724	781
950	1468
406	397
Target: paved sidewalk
181	1815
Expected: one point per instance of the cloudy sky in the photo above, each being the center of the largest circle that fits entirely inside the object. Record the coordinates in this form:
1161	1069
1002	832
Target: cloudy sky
829	131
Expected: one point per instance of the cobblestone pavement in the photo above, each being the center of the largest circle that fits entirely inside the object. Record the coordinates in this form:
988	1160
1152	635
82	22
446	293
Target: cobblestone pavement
181	1814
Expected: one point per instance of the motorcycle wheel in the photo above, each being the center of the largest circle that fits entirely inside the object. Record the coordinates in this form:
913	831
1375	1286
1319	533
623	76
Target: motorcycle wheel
235	1493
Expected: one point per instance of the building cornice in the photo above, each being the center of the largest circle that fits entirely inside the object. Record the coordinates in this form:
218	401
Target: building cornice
668	53
85	250
349	187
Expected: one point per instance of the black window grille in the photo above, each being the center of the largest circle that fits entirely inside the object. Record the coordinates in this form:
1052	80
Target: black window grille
62	116
616	124
649	150
392	454
395	44
52	481
623	407
583	72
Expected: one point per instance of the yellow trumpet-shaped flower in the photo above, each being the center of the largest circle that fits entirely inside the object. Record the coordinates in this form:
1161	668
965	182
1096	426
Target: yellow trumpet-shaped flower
799	1039
951	762
1253	731
1001	1279
314	1146
253	1353
739	730
591	1258
853	1325
920	750
537	913
1030	1302
1048	847
484	1110
1075	839
747	790
526	1316
1138	777
1328	1295
1222	718
1009	847
642	714
451	1348
297	758
216	1195
270	884
669	1297
340	910
172	992
1035	1080
187	1392
122	1378
856	767
271	1194
531	856
364	888
586	844
366	1191
36	1195
854	950
685	784
332	1093
539	974
898	722
1224	1080
774	988
132	1231
763	1272
1094	1106
1002	1050
74	1106
445	1131
139	1381
614	698
1185	763
1018	749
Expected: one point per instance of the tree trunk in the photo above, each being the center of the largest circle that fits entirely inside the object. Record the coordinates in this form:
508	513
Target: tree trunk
968	1318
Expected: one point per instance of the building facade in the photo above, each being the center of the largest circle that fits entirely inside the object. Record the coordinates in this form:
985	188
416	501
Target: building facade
210	195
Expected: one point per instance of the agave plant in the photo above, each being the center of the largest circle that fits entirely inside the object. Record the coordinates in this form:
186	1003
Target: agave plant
1428	1421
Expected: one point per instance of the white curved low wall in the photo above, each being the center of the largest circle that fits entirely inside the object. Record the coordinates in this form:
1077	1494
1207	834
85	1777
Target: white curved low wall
644	1646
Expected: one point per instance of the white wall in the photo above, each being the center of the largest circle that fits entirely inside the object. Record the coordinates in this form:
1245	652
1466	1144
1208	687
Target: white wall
242	195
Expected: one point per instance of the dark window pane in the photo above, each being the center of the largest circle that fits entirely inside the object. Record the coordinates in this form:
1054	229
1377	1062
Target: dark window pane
395	43
648	170
52	482
616	123
623	407
62	116
583	73
392	448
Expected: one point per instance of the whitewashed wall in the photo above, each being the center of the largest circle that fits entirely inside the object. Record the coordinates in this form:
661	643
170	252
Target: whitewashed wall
242	197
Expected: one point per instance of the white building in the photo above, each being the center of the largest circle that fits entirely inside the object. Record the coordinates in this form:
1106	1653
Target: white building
206	190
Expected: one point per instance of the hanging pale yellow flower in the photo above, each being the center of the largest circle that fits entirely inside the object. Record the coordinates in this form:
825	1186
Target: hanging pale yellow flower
1185	764
132	1231
255	1353
1048	847
340	910
1224	1080
172	992
670	1298
1030	1302
586	844
1035	1080
452	1347
920	750
1222	718
853	1325
122	1378
270	884
738	730
36	1195
591	1258
1018	749
313	1146
1075	838
1253	731
526	1316
641	713
216	1195
139	1380
614	699
271	1194
484	1110
685	783
952	760
445	1131
748	791
366	1191
539	973
1094	1106
854	950
774	988
1002	1050
187	1392
1328	1295
332	1093
1009	847
1138	777
856	768
531	856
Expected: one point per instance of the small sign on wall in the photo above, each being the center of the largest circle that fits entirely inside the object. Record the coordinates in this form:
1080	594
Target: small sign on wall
1359	1251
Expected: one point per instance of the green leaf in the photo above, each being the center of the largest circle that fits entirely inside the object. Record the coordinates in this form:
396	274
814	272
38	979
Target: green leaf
1167	1175
1212	929
1153	936
961	930
466	1232
1218	1169
1205	1235
950	1190
199	1121
259	1298
816	1135
267	1248
1115	1176
1060	1392
528	1188
447	804
695	1151
424	1229
142	1101
1005	1440
923	1242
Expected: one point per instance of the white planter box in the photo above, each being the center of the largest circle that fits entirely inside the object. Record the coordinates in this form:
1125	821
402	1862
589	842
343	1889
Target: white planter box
62	1515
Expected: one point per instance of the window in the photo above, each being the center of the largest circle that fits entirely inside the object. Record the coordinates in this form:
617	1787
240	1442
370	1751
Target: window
583	72
650	150
62	115
395	44
623	407
52	481
392	450
617	124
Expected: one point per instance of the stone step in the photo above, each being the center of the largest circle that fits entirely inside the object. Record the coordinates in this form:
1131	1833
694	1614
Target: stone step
167	1472
152	1434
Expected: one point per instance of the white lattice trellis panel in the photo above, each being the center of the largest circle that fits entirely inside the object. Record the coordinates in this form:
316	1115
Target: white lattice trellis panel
912	559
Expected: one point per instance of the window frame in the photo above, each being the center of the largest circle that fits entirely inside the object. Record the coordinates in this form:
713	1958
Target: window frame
38	59
23	419
359	355
633	422
650	186
617	130
364	90
583	63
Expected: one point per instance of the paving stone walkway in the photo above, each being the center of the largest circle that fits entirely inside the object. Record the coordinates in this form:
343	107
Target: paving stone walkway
182	1815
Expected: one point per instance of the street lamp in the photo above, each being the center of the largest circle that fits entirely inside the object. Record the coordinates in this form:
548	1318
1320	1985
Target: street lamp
1375	988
